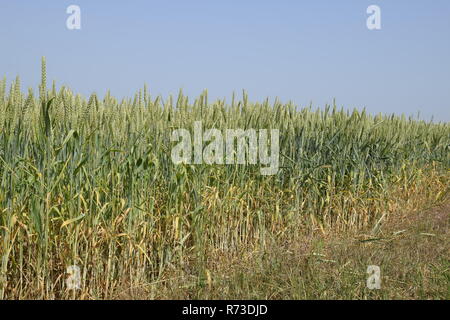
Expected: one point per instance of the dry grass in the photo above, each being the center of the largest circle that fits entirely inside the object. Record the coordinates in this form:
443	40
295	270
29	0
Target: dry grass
411	249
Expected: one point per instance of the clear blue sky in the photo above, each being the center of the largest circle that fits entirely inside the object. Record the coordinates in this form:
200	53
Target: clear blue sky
304	51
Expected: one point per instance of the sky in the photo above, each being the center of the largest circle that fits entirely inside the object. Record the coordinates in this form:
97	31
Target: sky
307	52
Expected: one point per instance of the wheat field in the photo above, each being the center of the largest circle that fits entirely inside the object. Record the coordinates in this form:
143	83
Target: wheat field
90	182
